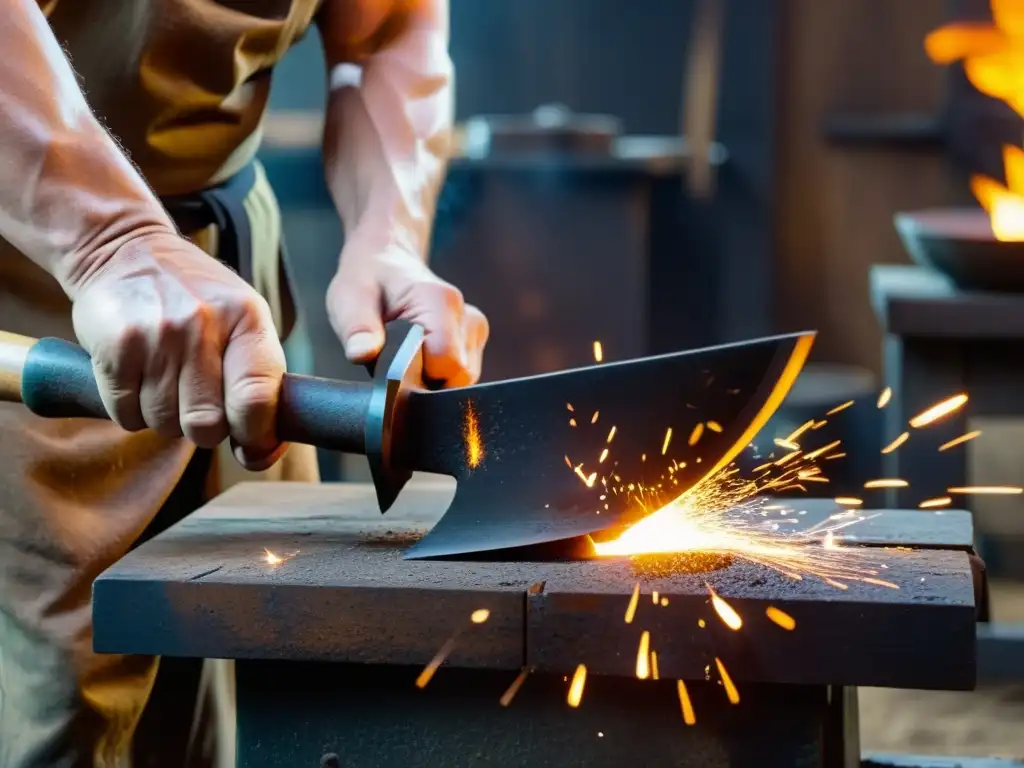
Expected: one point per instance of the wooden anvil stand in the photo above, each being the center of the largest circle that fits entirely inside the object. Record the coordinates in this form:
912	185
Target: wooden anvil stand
332	630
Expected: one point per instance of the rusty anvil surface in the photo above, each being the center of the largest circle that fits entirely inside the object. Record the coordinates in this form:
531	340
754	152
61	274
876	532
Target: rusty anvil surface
203	589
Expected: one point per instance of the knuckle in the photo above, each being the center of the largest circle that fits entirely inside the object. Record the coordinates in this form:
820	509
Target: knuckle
253	393
451	297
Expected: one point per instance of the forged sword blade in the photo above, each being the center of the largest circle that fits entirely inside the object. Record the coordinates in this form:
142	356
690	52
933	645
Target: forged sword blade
527	453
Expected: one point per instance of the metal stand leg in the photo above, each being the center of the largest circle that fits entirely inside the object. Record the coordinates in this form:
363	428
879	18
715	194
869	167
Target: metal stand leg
358	716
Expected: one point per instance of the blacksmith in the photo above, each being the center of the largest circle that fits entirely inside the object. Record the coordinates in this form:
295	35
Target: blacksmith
134	217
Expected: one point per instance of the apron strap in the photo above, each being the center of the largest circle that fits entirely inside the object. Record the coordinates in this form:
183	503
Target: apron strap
223	206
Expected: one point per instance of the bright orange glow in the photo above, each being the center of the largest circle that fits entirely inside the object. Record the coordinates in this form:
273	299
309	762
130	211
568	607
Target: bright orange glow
730	689
993	60
941	501
643	656
471	435
684	702
938	411
896	443
781	618
634	601
988	490
271	558
849	501
579	680
725	612
598	352
480	615
893	482
960	440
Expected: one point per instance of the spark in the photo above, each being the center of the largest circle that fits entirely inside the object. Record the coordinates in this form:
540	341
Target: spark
569	406
781	618
938	411
987	490
611	435
896	443
849	501
572	422
654	597
604	455
795	434
940	501
787	444
684	702
271	558
714	426
730	689
634	600
512	690
960	440
593	419
480	615
887	482
725	612
471	434
434	664
667	440
664	602
839	408
598	352
695	434
643	656
884	397
654	665
579	680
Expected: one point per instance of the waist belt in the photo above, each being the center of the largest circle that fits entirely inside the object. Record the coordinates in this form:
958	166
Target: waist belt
222	206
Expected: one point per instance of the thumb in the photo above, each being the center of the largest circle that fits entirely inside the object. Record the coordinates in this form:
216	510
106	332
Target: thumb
355	312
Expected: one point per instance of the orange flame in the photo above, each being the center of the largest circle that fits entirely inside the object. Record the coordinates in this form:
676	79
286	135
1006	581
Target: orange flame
993	61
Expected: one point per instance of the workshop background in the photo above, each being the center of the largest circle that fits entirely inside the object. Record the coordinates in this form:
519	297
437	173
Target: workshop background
575	211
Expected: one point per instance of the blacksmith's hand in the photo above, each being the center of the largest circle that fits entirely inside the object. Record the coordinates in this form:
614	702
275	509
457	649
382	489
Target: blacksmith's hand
373	287
180	344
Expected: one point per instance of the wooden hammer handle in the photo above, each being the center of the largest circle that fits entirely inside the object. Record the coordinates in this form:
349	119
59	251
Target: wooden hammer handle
54	379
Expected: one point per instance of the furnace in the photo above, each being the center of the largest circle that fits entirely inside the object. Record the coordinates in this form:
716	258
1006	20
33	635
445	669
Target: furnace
350	655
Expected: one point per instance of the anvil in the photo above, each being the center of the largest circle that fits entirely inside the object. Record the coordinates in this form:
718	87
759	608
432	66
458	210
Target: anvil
537	459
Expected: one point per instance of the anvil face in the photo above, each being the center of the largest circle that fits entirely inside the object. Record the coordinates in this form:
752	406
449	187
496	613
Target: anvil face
558	456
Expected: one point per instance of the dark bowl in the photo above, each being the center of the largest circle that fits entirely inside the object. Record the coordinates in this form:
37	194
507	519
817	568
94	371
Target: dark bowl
958	242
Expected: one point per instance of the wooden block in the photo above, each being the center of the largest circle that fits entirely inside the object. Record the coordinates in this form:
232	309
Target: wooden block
921	635
204	589
343	593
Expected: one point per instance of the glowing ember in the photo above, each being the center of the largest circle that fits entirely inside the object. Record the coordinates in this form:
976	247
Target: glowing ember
654	665
471	435
435	663
781	618
884	397
271	558
634	600
730	689
888	482
579	680
512	690
714	426
839	408
598	352
611	435
938	411
480	615
668	439
988	490
593	419
960	440
896	443
725	612
941	501
696	433
849	501
643	656
684	702
787	444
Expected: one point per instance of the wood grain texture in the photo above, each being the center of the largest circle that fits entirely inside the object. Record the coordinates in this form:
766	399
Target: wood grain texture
343	593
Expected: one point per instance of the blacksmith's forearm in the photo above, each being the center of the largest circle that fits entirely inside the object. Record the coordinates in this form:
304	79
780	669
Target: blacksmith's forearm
68	194
386	140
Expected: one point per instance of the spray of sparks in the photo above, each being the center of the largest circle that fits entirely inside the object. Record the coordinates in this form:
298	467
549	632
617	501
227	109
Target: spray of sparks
729	515
471	435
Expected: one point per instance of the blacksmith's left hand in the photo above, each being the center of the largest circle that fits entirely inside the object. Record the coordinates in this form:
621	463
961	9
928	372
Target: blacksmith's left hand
373	287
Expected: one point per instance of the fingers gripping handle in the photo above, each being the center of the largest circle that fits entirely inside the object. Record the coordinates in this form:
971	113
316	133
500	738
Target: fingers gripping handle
57	381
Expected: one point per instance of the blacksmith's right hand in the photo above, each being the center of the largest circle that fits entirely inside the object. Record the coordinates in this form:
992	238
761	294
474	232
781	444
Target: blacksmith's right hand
180	344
